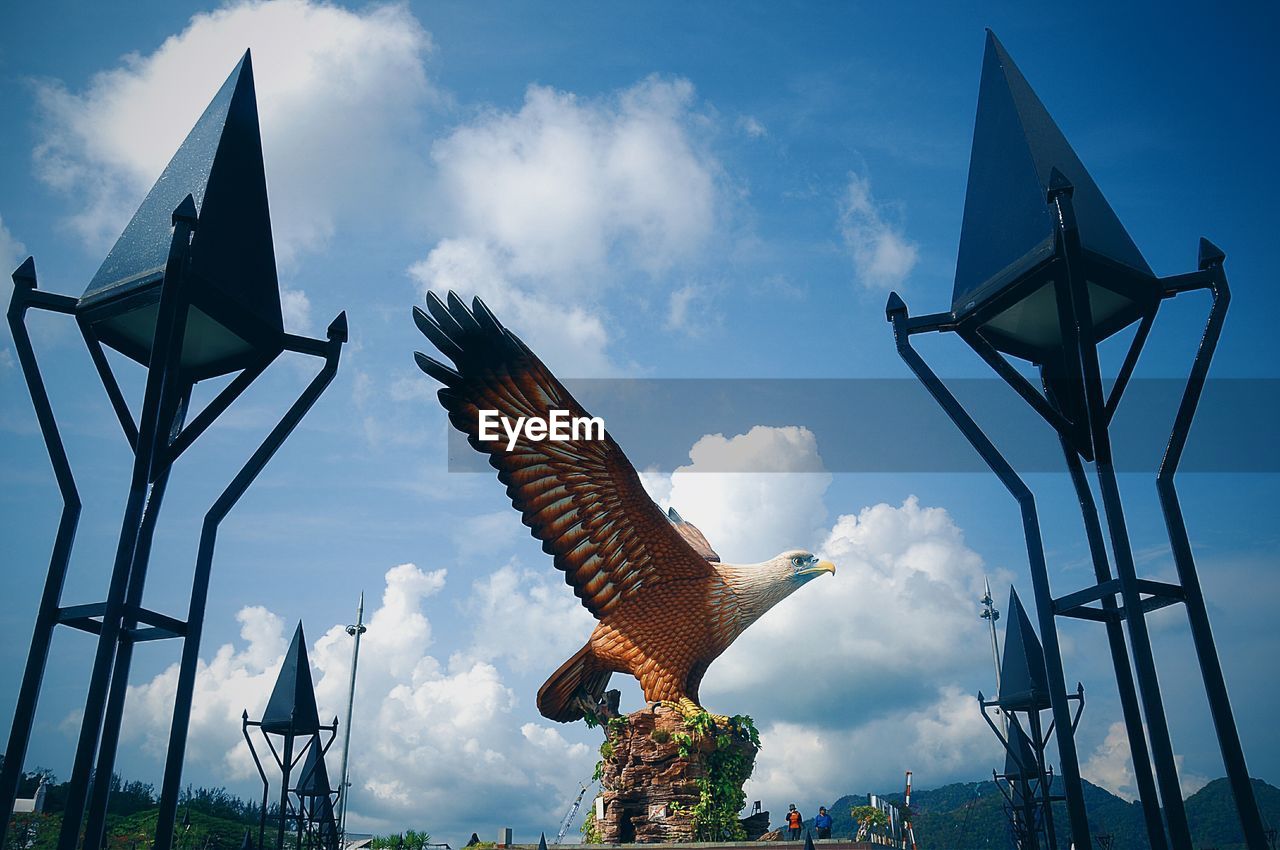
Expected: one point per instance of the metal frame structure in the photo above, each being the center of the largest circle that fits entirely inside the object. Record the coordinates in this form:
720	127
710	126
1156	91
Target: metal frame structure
1084	434
1030	792
1021	808
157	440
308	815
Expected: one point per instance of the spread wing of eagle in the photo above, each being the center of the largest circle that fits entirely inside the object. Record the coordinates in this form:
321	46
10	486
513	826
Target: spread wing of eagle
666	605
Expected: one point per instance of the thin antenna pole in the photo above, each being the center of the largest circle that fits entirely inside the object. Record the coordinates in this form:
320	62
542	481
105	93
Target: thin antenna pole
356	631
991	614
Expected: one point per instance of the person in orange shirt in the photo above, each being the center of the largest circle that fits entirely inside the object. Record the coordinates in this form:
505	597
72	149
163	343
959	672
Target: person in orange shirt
795	821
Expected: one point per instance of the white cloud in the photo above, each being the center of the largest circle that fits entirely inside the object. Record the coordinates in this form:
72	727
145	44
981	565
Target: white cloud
340	94
1110	766
570	339
689	309
944	738
551	204
12	251
560	185
527	618
751	125
436	740
883	256
750	516
296	307
904	589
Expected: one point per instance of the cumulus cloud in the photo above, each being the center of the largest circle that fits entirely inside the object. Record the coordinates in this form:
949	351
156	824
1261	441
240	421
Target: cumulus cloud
944	737
750	516
1111	766
551	203
904	589
526	617
438	739
340	94
563	183
883	256
570	338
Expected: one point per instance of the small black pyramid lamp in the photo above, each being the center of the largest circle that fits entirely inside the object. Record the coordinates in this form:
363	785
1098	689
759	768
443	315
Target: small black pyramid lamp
292	715
190	292
317	826
1046	272
1019	787
1027	781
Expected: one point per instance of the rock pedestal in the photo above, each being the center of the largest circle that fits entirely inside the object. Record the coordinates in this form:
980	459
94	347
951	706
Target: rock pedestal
650	788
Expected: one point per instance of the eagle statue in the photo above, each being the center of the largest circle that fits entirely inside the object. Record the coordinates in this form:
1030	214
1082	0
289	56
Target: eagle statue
667	605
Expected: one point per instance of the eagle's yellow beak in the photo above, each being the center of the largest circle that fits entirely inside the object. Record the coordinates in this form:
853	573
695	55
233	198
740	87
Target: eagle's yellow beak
820	567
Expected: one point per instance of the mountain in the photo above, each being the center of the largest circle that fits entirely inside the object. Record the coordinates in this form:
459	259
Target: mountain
1212	813
970	816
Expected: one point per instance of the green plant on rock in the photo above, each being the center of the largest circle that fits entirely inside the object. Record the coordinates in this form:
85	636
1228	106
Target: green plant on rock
590	830
727	768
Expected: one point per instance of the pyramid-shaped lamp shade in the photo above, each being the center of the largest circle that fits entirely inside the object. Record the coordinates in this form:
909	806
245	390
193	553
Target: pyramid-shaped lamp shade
313	780
1019	758
1008	258
1024	684
234	320
323	815
291	710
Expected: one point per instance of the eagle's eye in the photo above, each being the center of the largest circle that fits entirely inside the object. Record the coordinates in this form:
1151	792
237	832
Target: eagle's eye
799	561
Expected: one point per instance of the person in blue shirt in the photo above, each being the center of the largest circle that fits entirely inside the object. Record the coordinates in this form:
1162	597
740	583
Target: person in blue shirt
822	823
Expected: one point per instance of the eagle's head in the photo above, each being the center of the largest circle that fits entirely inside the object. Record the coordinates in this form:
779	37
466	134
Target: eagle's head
758	587
798	567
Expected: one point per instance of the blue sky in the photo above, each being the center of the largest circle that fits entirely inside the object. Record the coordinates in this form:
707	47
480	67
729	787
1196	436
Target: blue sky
726	190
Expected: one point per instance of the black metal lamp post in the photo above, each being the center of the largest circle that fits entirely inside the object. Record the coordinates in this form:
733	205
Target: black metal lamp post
1027	781
1018	786
292	715
190	292
1045	272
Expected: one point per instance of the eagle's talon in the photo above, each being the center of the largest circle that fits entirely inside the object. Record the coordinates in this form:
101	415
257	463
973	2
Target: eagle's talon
689	709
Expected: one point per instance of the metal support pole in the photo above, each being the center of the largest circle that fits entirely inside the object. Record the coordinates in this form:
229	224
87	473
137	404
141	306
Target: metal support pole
245	723
286	764
159	397
95	827
1119	656
990	613
331	350
24	296
356	631
1193	596
1082	365
1042	776
896	312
